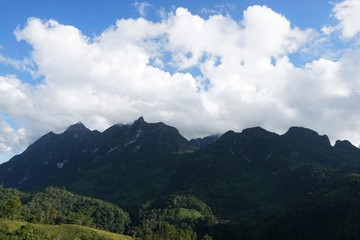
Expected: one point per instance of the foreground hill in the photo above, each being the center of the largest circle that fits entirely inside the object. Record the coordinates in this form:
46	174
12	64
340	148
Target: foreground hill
249	185
58	206
10	229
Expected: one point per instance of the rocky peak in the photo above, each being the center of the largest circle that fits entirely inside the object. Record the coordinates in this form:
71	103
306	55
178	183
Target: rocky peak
307	136
77	127
76	130
139	121
138	125
346	146
228	134
257	132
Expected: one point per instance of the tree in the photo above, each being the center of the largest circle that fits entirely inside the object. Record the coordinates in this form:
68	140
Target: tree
53	214
207	237
11	208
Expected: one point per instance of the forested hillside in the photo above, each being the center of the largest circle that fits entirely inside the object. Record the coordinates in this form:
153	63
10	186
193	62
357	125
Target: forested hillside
58	206
249	185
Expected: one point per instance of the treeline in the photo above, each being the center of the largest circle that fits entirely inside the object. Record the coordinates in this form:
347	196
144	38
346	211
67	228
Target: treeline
319	215
178	217
58	206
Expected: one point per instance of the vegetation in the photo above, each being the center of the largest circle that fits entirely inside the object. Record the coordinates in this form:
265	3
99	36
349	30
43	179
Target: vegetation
181	217
15	230
249	185
58	206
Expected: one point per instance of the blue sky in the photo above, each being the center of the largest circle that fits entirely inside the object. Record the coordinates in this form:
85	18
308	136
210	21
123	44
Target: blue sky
94	17
202	66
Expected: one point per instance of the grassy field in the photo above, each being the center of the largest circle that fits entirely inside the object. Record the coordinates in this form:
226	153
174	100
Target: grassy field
64	231
184	213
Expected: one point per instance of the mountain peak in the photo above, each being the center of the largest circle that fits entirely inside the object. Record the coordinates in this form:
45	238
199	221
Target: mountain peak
256	131
345	145
77	127
307	136
140	121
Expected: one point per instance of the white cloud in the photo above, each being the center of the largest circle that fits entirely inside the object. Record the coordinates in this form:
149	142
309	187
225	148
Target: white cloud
347	12
200	75
25	65
142	7
11	140
223	9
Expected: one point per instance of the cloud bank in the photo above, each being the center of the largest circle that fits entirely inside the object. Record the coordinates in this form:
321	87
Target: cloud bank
201	75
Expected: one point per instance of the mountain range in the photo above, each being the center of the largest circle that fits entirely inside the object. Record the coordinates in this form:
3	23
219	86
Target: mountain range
258	184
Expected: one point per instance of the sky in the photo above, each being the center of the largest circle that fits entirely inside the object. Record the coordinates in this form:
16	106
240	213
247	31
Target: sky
204	67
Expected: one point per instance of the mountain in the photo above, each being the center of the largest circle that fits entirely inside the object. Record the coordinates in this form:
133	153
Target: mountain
203	142
51	155
307	136
78	148
261	185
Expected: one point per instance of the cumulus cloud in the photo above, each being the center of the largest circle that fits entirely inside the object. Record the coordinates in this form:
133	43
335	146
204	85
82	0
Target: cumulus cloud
347	12
11	140
202	75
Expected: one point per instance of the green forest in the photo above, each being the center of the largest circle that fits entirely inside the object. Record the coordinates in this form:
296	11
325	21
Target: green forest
56	206
24	216
156	185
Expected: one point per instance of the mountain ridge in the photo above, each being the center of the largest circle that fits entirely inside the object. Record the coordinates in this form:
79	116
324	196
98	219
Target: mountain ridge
250	177
149	137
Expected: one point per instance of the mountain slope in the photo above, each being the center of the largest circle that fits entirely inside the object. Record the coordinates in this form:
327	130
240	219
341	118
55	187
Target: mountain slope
58	206
79	148
51	155
254	178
